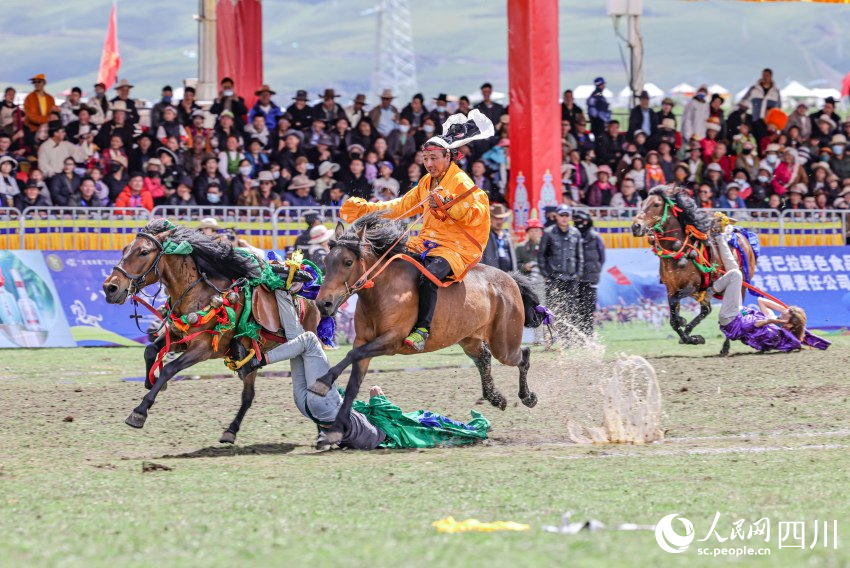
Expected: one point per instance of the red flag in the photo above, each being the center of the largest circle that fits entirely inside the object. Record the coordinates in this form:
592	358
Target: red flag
239	45
619	277
110	61
845	86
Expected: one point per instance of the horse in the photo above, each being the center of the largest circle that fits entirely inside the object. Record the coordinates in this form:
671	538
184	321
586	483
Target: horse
193	282
675	227
485	312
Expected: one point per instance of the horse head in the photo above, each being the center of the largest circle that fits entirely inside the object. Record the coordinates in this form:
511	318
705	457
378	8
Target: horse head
651	213
138	268
344	266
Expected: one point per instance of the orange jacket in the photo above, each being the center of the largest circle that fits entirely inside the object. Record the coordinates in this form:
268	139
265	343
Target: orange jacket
472	213
32	110
126	199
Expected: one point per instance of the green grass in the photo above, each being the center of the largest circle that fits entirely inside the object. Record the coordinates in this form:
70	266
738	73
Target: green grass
750	436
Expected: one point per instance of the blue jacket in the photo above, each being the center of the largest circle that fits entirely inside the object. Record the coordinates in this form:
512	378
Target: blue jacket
271	116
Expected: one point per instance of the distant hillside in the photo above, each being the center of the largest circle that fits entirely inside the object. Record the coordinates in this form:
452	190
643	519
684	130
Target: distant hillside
317	43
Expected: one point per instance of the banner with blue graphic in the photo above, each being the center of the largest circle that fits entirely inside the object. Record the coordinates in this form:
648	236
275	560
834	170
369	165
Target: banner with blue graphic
815	278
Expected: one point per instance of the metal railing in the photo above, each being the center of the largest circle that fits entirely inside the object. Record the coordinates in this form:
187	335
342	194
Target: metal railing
107	228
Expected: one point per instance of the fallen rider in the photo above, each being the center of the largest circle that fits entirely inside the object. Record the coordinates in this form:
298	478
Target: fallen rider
762	329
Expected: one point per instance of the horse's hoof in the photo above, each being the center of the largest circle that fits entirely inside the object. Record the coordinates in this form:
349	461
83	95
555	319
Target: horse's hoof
499	402
319	388
724	354
530	401
136	420
227	438
697	340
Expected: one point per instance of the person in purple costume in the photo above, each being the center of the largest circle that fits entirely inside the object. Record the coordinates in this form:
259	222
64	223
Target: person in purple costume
771	326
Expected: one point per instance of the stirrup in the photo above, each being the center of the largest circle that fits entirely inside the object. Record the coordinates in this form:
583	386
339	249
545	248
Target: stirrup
417	338
235	365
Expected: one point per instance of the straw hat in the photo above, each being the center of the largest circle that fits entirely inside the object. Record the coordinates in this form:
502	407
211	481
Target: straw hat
319	234
499	211
301	182
208	223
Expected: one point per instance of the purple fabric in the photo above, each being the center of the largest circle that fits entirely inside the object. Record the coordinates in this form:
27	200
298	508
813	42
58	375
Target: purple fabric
763	338
550	317
813	340
325	331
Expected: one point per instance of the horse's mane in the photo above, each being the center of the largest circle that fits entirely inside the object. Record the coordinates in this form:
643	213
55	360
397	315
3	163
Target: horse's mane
214	257
381	234
690	213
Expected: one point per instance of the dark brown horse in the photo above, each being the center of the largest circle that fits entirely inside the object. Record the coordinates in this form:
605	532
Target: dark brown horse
485	313
191	281
664	216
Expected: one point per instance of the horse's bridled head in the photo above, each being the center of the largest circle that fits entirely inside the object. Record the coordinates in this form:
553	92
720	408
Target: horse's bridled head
342	269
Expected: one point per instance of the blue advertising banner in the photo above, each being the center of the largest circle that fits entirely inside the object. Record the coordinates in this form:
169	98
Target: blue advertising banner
815	278
79	277
30	310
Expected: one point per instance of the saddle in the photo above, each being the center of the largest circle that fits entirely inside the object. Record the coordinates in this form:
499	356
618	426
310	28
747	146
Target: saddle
264	302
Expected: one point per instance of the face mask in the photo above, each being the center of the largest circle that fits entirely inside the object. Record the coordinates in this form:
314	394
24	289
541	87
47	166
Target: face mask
772	158
166	99
404	129
763	179
441	109
824	158
632	153
228	93
80	171
838	149
747	151
213	197
276	174
428	129
245	170
700	97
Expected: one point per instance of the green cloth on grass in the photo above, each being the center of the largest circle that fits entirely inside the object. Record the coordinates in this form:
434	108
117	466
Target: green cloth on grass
403	429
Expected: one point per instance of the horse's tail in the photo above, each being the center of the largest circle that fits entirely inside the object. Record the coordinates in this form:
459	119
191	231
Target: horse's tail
530	300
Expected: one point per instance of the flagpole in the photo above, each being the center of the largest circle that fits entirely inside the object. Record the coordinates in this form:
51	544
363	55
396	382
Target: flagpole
207	51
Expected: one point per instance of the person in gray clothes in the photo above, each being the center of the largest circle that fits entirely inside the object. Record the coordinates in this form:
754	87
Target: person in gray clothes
561	261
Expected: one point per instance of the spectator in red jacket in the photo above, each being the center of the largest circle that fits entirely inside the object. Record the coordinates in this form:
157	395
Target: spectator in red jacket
134	195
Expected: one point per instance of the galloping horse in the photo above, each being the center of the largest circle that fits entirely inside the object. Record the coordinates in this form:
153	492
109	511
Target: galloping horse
676	229
485	313
195	283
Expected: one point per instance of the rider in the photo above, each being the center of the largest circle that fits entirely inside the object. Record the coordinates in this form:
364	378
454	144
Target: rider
452	238
760	329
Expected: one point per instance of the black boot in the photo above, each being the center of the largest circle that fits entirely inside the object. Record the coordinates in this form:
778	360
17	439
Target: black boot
239	353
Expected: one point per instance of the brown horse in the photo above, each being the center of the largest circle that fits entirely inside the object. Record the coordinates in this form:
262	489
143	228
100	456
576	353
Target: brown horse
664	216
191	281
485	313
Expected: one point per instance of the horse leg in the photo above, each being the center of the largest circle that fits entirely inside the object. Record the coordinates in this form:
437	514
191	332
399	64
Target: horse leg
724	351
526	396
323	384
229	435
151	352
342	423
704	310
676	321
194	354
479	352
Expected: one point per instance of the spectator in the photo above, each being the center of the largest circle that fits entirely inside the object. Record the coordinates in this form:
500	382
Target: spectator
426	132
187	107
52	154
68	108
731	199
134	195
86	195
628	197
99	103
795	197
743	136
771	158
334	196
694	163
209	176
400	142
747	161
313	219
317	246
840	161
681	173
609	147
170	126
243	181
153	182
440	113
715	114
414	174
638	174
799	119
300	194
666	113
229	101
788	173
828	110
818	179
588	162
705	197
291	152
600	192
721	157
654	172
643	118
228	160
499	252
598	109
11	116
385	187
561	262
363	136
30	197
225	128
118	125
763	96
666	161
301	113
81	128
158	109
116	179
478	176
488	108
328	110
385	116
183	194
714	179
355	182
569	109
356	111
258	130
39	104
326	178
695	115
709	141
263	195
593	249
123	90
824	127
267	109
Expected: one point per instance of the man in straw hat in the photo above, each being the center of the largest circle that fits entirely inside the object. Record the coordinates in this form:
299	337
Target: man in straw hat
328	110
265	107
123	89
840	160
300	111
356	111
385	116
444	245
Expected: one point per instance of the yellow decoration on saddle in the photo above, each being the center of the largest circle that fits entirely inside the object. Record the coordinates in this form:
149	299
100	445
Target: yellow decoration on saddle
294	264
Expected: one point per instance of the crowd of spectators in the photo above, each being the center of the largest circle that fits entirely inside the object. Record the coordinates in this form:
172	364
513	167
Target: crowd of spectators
96	153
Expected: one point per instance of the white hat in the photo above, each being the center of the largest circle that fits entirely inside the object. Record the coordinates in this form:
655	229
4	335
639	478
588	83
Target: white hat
326	167
208	223
319	234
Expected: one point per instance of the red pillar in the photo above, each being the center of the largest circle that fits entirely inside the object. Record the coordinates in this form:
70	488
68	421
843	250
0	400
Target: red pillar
535	127
239	44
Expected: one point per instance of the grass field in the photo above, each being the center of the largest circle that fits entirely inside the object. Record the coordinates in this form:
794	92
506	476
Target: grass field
750	436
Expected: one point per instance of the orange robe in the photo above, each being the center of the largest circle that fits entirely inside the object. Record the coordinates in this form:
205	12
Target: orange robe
472	213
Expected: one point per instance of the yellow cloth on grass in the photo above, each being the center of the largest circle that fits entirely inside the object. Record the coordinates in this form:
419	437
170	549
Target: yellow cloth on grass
450	525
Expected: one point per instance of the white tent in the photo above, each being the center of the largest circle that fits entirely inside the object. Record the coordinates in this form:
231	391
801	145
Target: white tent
583	92
683	89
716	89
740	94
795	90
654	91
822	94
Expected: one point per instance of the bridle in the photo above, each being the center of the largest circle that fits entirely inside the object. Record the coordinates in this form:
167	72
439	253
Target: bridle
137	281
